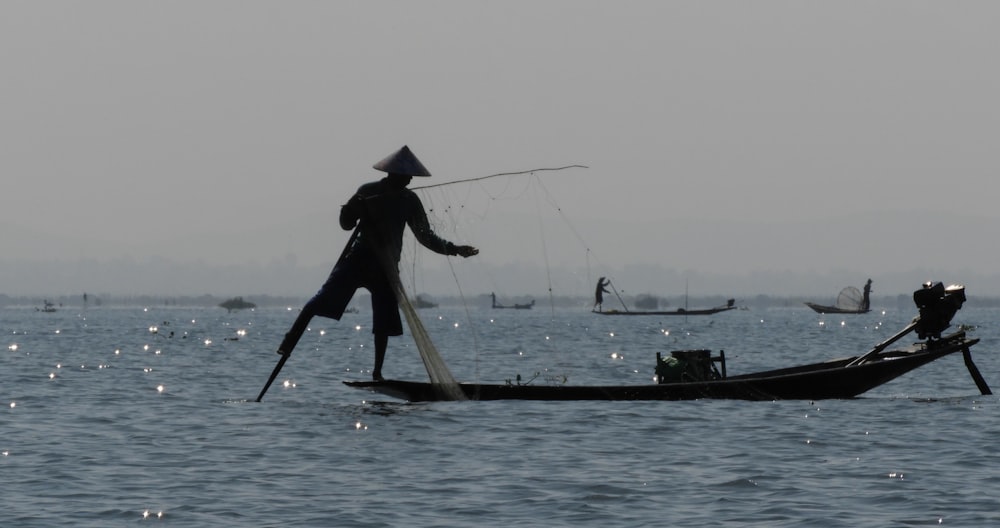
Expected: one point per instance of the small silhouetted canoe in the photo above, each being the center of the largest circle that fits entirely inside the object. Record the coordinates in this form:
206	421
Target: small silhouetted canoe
237	303
524	306
730	305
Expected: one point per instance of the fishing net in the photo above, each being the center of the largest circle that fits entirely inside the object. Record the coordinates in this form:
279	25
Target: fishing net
442	380
849	299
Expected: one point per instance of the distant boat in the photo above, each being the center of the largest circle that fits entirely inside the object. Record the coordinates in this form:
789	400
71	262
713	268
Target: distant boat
850	301
237	303
526	306
649	301
47	306
424	303
730	305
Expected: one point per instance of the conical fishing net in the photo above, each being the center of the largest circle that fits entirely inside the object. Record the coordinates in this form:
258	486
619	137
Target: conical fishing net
849	299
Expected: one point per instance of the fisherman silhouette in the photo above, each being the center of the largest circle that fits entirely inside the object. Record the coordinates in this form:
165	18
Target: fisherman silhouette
599	293
378	212
865	301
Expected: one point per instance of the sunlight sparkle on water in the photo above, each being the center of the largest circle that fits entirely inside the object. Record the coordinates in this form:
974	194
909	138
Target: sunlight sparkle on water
147	514
322	332
160	388
288	384
360	426
208	341
12	405
12	347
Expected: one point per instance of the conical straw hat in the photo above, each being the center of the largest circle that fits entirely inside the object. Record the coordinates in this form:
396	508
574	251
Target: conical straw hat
402	162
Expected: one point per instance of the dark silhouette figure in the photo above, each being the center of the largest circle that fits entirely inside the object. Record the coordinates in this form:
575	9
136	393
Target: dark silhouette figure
599	293
865	301
379	211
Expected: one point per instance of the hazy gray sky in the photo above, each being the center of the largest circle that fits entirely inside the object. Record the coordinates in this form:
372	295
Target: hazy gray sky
726	137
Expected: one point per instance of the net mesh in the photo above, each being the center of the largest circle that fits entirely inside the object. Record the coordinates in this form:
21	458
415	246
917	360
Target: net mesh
849	299
444	383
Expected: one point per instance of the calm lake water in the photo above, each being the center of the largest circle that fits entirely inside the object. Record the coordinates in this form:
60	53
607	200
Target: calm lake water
117	416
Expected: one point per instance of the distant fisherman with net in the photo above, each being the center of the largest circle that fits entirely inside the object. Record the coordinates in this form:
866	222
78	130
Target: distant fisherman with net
378	213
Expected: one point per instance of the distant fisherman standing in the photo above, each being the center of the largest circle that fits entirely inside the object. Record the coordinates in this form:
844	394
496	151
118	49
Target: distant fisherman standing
380	210
599	293
866	297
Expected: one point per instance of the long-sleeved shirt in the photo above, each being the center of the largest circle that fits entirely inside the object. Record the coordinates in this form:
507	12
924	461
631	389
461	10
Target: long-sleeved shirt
384	210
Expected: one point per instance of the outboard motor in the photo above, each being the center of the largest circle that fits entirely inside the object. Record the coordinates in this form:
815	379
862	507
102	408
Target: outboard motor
689	365
937	306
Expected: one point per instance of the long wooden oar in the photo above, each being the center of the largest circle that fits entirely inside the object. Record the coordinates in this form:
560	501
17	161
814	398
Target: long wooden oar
882	346
274	374
286	353
984	389
616	295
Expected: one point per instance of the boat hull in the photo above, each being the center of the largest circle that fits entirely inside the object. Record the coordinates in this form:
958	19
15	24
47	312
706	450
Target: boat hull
679	311
819	308
835	379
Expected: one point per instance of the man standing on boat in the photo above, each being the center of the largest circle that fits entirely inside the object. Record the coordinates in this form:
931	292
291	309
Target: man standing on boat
599	294
378	213
865	299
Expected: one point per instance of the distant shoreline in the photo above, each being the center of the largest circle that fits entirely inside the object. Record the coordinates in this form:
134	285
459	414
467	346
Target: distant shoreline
887	302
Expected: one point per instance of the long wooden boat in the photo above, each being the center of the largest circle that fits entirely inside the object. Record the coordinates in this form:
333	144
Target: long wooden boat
838	378
599	301
818	381
680	311
825	309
